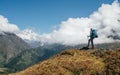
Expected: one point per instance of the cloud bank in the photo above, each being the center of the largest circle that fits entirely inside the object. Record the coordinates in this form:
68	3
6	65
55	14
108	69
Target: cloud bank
6	26
75	30
26	34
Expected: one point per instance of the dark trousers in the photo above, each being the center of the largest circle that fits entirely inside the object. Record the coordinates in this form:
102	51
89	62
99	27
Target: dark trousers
92	44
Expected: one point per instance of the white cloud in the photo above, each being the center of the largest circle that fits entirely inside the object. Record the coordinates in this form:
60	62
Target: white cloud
26	34
75	30
6	26
72	31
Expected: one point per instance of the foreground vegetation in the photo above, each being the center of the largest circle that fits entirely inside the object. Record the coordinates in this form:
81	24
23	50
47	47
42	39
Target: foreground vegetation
78	62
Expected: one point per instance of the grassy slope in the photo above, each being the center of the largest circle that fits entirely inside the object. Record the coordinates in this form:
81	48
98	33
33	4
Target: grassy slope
78	62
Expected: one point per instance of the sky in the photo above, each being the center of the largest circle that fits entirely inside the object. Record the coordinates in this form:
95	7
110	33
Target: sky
45	15
66	22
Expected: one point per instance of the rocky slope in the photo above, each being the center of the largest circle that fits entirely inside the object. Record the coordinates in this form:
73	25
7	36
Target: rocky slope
78	62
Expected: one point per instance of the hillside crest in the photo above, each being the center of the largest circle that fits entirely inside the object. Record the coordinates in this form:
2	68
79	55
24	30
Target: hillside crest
78	62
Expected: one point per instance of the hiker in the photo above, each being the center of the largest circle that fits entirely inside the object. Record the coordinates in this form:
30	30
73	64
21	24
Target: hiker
93	34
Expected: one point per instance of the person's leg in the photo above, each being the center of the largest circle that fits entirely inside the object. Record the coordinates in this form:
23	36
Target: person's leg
92	43
88	43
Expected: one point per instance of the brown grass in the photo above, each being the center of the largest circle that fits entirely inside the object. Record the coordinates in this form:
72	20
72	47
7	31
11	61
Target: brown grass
78	62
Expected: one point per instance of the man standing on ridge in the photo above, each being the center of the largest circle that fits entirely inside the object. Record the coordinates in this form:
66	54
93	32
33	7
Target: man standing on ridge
93	34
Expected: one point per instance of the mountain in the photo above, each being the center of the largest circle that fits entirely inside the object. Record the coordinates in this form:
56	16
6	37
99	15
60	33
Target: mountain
78	62
32	56
17	55
10	46
112	45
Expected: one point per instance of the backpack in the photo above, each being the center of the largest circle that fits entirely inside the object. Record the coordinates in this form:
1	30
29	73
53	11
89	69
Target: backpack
94	33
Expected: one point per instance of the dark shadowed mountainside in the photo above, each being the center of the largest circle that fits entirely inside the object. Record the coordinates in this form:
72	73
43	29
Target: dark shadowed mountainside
10	46
32	56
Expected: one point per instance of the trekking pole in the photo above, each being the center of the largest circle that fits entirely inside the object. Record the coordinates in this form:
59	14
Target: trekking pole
88	37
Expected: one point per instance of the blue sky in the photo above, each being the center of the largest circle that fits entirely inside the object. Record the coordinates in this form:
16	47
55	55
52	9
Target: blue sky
42	15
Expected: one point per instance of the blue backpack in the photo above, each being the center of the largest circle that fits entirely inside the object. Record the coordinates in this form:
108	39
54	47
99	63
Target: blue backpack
94	33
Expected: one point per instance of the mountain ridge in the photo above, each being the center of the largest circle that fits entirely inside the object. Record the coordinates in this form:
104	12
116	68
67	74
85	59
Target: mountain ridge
32	56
